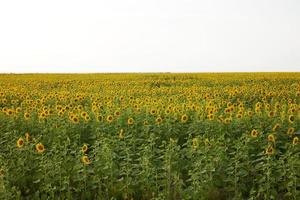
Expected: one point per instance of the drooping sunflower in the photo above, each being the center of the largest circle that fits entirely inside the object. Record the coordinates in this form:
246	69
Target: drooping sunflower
84	148
276	127
27	136
184	118
271	138
40	148
195	143
290	131
86	160
20	143
270	150
254	133
295	140
206	142
271	114
130	121
121	134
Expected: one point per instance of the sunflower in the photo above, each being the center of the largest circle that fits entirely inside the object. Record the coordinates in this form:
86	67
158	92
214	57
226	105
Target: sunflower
130	121
84	148
239	116
254	133
227	120
184	118
121	134
99	118
26	115
250	113
206	142
117	113
276	127
85	160
290	131
75	120
271	138
83	114
158	120
40	148
145	123
20	143
270	150
87	118
27	136
153	111
291	119
195	143
210	117
271	114
109	118
295	140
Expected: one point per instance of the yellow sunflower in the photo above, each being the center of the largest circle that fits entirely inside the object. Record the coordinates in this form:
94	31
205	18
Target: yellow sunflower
85	160
254	133
276	127
20	143
270	150
84	148
295	140
291	119
184	118
271	138
121	134
27	136
130	121
40	148
109	118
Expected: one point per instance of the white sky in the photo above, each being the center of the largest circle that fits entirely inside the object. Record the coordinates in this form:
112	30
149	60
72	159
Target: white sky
149	35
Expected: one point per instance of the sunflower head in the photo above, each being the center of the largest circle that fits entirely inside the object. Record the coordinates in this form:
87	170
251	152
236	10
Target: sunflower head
295	140
158	120
271	138
27	136
26	115
121	134
195	143
109	118
130	121
184	118
276	127
254	133
291	119
84	148
270	150
85	160
75	120
290	131
20	143
206	142
40	148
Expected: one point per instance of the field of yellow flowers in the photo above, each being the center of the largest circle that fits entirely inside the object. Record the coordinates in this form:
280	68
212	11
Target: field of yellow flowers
150	136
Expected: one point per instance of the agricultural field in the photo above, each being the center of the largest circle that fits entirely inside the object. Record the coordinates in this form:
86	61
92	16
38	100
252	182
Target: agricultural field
150	136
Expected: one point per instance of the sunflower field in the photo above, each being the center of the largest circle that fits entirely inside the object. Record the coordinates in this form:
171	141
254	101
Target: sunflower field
150	136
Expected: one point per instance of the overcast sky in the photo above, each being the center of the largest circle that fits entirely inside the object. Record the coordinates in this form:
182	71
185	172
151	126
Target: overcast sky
149	35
